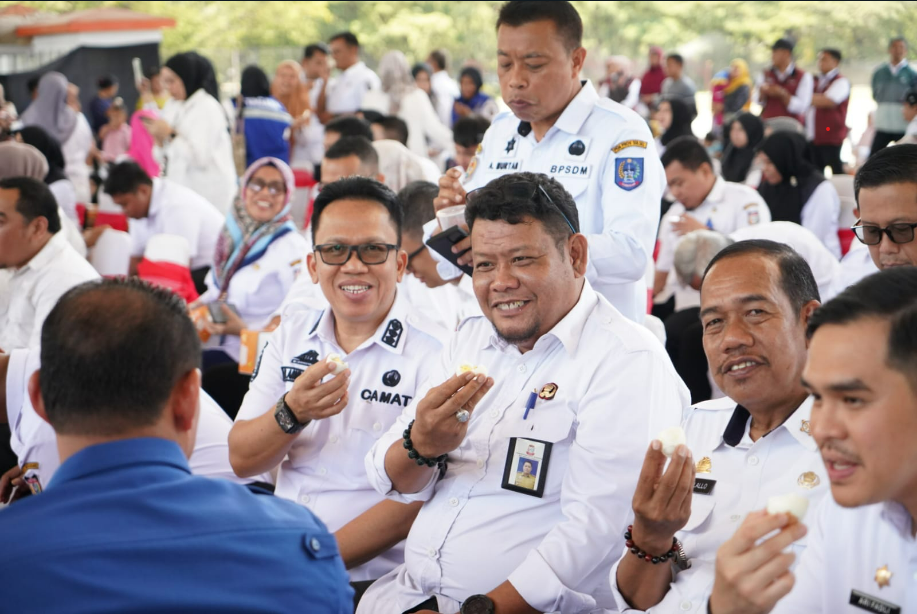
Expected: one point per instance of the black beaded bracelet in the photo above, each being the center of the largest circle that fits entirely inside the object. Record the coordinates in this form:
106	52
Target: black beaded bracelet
414	455
649	558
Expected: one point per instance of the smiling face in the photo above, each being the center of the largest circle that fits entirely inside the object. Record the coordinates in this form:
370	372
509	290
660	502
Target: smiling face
523	282
260	204
538	76
864	417
892	203
753	338
357	292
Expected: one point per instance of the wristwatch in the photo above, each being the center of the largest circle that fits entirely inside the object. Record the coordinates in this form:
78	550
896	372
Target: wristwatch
286	418
478	604
682	562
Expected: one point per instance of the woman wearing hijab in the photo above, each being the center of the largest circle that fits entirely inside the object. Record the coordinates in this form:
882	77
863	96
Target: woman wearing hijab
56	179
796	191
737	94
472	100
196	140
264	120
257	258
743	136
401	97
71	129
674	118
289	88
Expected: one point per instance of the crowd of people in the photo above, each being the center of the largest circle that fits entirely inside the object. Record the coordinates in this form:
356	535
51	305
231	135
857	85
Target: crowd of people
379	346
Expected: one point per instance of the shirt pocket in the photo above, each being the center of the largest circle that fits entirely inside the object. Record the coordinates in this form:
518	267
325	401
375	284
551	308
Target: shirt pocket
698	524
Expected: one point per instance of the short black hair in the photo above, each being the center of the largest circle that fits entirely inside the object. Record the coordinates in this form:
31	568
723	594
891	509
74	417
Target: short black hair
314	48
687	151
898	39
150	71
441	58
492	203
469	131
796	276
565	17
348	37
896	164
417	201
834	53
395	128
35	200
125	178
373	117
677	57
350	126
112	350
362	188
420	67
355	146
890	295
106	81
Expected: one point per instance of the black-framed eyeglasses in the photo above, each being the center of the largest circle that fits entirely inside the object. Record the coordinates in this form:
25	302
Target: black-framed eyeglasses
416	252
369	253
872	235
522	190
273	188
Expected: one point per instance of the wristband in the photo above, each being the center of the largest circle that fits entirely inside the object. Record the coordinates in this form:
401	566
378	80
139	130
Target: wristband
414	455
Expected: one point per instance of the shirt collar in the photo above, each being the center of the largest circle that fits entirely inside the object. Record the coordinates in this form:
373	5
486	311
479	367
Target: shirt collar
569	331
46	254
156	197
830	74
898	516
899	65
717	192
390	335
795	423
785	73
118	455
578	109
355	68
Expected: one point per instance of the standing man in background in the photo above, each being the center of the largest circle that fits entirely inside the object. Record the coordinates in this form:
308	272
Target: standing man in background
890	84
445	89
651	82
826	120
784	90
677	86
344	94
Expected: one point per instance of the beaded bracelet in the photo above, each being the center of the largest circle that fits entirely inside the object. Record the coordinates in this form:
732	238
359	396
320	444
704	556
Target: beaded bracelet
649	558
414	455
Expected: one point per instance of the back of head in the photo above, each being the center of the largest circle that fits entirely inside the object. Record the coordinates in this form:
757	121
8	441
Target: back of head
417	201
107	81
896	164
21	160
35	200
687	151
357	146
796	278
350	126
566	19
255	83
111	353
441	58
357	188
125	178
694	252
469	131
348	37
395	128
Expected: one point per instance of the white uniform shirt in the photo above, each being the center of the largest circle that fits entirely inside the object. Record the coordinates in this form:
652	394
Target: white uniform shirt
446	90
75	149
65	195
604	155
324	468
344	94
728	207
616	388
824	265
34	442
820	215
35	288
837	92
447	305
178	210
746	474
258	289
799	102
855	265
849	551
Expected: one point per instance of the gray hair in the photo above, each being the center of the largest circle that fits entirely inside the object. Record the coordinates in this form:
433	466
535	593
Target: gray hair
694	252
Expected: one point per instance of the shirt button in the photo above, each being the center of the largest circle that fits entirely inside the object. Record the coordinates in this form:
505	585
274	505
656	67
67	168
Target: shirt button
304	499
322	471
432	552
521	368
495	413
480	463
752	460
453	502
316	546
735	518
377	426
685	606
333	439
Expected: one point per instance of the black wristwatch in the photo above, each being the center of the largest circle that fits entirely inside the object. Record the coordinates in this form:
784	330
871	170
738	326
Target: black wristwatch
286	418
478	604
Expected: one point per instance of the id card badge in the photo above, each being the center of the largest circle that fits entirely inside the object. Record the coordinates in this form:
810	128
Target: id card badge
526	469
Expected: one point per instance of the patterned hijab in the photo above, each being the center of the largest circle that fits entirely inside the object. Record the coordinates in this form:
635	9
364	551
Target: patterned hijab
244	240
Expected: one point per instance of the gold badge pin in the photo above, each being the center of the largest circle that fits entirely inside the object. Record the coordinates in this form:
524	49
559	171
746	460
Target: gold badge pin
547	392
704	465
804	427
883	576
809	480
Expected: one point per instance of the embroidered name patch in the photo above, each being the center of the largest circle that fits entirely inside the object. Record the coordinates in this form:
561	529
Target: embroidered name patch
504	166
872	604
628	173
570	170
625	144
290	373
703	486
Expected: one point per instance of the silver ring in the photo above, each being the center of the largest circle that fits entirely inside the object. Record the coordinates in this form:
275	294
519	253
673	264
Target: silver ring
462	415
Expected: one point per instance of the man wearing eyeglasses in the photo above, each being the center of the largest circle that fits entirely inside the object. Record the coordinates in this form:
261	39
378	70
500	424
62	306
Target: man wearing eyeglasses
318	425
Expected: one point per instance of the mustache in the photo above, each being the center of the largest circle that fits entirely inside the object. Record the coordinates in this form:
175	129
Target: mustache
834	446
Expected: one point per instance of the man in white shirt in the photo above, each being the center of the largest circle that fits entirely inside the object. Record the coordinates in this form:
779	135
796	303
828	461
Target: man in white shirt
826	119
861	551
567	375
749	446
602	152
317	72
344	94
159	206
319	428
43	264
445	89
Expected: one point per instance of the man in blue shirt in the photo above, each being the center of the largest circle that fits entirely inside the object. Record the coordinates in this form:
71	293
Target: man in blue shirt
123	526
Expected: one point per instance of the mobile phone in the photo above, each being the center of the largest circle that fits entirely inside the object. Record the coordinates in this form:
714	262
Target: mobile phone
216	312
138	71
442	245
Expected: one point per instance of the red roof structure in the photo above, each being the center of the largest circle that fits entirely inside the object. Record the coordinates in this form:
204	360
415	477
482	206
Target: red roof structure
103	19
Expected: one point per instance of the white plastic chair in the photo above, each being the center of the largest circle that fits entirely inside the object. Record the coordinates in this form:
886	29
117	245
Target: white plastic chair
168	248
844	186
111	256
